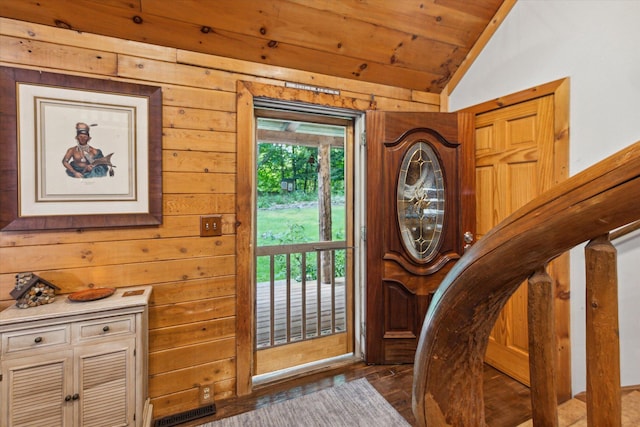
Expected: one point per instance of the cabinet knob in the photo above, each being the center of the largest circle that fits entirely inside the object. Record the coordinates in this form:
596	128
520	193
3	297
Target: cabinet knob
67	398
75	397
106	329
38	340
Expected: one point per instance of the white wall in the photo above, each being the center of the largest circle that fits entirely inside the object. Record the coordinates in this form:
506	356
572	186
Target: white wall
597	44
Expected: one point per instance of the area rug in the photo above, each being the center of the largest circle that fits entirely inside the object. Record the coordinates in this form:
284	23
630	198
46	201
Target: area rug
573	413
355	403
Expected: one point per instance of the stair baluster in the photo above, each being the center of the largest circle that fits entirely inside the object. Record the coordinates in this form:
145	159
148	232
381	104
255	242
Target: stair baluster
604	405
542	349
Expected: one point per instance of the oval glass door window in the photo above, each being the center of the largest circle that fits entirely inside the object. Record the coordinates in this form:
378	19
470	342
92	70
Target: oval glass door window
421	201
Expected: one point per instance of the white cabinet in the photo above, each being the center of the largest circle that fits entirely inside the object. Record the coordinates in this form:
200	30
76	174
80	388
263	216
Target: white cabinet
75	363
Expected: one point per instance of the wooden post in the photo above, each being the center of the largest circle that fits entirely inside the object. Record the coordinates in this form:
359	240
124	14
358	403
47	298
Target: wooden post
324	206
604	406
542	349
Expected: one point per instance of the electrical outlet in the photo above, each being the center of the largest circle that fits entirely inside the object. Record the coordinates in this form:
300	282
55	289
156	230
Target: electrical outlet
206	393
211	225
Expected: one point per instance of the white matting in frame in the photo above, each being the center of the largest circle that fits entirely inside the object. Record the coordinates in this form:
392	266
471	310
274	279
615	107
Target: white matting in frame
47	117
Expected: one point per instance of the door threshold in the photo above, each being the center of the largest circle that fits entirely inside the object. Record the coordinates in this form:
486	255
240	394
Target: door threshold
302	370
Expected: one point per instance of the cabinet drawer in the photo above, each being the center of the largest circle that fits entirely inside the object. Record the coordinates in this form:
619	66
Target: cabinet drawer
105	327
31	339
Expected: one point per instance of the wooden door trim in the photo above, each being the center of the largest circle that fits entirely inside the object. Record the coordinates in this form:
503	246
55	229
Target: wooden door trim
246	94
559	89
245	223
552	88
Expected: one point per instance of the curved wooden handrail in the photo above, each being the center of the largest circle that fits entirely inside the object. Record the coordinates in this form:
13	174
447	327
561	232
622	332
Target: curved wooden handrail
623	231
447	384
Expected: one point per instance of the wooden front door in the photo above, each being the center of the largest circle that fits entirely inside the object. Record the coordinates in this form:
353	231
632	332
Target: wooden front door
420	204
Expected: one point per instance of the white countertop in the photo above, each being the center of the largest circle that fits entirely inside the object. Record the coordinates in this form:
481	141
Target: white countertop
62	306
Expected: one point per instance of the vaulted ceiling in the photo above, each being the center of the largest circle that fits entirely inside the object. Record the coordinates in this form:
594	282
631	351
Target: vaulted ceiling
415	44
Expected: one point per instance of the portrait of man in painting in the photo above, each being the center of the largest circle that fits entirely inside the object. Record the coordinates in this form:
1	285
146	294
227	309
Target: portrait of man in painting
85	161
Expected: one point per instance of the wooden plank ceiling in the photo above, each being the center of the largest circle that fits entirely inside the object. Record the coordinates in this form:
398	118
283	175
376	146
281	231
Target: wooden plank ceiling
414	44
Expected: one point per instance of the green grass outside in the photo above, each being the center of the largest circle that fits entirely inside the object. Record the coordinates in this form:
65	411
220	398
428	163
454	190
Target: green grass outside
293	225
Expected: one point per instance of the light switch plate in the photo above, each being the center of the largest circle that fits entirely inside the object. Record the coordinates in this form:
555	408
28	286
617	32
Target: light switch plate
211	225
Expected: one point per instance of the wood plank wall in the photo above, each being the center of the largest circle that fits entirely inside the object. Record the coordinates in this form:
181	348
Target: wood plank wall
192	313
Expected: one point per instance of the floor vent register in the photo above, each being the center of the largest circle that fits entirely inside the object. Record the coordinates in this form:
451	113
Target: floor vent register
183	417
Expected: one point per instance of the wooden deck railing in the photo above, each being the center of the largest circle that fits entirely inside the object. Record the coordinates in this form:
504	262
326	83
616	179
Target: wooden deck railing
298	309
447	385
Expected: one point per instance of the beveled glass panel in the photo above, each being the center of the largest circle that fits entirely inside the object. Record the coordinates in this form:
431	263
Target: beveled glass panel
420	201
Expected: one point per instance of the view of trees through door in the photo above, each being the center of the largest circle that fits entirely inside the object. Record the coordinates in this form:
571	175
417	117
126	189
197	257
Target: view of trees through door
303	233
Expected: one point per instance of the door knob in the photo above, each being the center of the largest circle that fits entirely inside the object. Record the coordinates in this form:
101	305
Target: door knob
468	239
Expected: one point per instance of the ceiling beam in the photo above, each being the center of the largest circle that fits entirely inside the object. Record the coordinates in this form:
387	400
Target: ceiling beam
294	138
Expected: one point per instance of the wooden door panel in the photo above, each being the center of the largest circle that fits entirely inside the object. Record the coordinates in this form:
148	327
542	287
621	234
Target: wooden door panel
484	139
522	184
399	311
400	285
485	216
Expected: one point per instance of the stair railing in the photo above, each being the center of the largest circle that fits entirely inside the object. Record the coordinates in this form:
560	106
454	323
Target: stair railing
448	370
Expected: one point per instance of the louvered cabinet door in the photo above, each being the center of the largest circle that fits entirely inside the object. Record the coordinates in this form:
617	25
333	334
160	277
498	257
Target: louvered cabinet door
106	384
37	390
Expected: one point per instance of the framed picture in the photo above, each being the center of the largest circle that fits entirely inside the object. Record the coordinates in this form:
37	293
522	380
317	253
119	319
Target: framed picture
78	152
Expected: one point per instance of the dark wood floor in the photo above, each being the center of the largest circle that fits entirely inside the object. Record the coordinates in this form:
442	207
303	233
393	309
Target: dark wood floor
507	402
